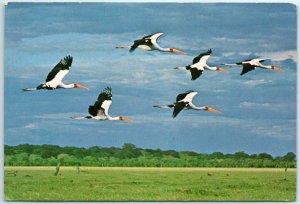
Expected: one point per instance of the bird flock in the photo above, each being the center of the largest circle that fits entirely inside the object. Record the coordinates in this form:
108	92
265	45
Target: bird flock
100	109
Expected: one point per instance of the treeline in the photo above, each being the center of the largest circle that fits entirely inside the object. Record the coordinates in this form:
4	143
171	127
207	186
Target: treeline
129	155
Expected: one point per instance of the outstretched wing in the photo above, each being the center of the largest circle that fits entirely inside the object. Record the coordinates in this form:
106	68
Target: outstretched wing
101	106
247	60
140	42
196	73
147	36
247	68
183	95
153	36
203	56
147	40
177	108
64	64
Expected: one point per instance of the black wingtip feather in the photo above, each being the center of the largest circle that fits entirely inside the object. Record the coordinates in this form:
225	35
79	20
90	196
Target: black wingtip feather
69	60
107	90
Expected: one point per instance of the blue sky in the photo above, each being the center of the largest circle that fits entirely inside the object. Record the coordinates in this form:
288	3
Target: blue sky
258	109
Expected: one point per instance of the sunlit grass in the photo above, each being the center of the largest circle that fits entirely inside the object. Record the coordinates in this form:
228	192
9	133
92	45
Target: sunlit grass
148	184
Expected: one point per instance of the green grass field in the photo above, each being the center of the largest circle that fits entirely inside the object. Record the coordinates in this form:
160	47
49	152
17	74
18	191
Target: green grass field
148	184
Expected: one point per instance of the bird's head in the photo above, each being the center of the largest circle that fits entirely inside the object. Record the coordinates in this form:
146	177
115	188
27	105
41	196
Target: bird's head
277	68
80	86
222	70
125	119
177	51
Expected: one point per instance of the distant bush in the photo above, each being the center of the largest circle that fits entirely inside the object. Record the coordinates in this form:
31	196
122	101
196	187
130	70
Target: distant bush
130	155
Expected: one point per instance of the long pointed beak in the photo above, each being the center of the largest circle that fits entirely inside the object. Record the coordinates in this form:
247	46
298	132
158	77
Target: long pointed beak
178	51
129	120
81	86
222	70
278	69
212	109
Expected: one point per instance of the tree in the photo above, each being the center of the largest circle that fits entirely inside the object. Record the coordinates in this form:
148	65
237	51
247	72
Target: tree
8	160
46	151
241	155
67	160
289	157
264	156
52	161
8	150
36	160
57	169
130	155
89	161
130	151
217	155
186	159
21	159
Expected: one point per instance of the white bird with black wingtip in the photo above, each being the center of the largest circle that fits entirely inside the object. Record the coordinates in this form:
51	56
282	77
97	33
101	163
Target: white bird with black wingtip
184	101
55	77
251	64
199	64
99	111
149	43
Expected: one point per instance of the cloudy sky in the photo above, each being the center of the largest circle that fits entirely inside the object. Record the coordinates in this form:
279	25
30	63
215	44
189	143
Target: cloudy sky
258	109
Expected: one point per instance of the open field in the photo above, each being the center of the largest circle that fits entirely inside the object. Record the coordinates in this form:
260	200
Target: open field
148	184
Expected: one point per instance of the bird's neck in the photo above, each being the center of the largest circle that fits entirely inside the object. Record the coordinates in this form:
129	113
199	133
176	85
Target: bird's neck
209	67
67	86
196	107
166	49
120	118
115	118
162	49
265	66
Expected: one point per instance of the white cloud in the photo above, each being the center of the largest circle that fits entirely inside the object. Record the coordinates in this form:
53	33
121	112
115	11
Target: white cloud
218	91
278	129
245	53
281	56
30	126
281	129
275	131
230	40
228	54
270	106
74	42
55	116
257	82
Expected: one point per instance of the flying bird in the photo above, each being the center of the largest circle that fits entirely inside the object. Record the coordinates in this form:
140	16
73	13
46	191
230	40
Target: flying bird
184	101
251	64
199	64
149	43
99	111
55	77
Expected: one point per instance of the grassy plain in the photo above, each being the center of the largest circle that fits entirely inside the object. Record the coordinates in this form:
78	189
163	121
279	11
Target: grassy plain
148	184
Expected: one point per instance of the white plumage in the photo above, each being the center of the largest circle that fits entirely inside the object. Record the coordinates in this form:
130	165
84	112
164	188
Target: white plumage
56	75
100	109
149	43
199	64
251	64
184	101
